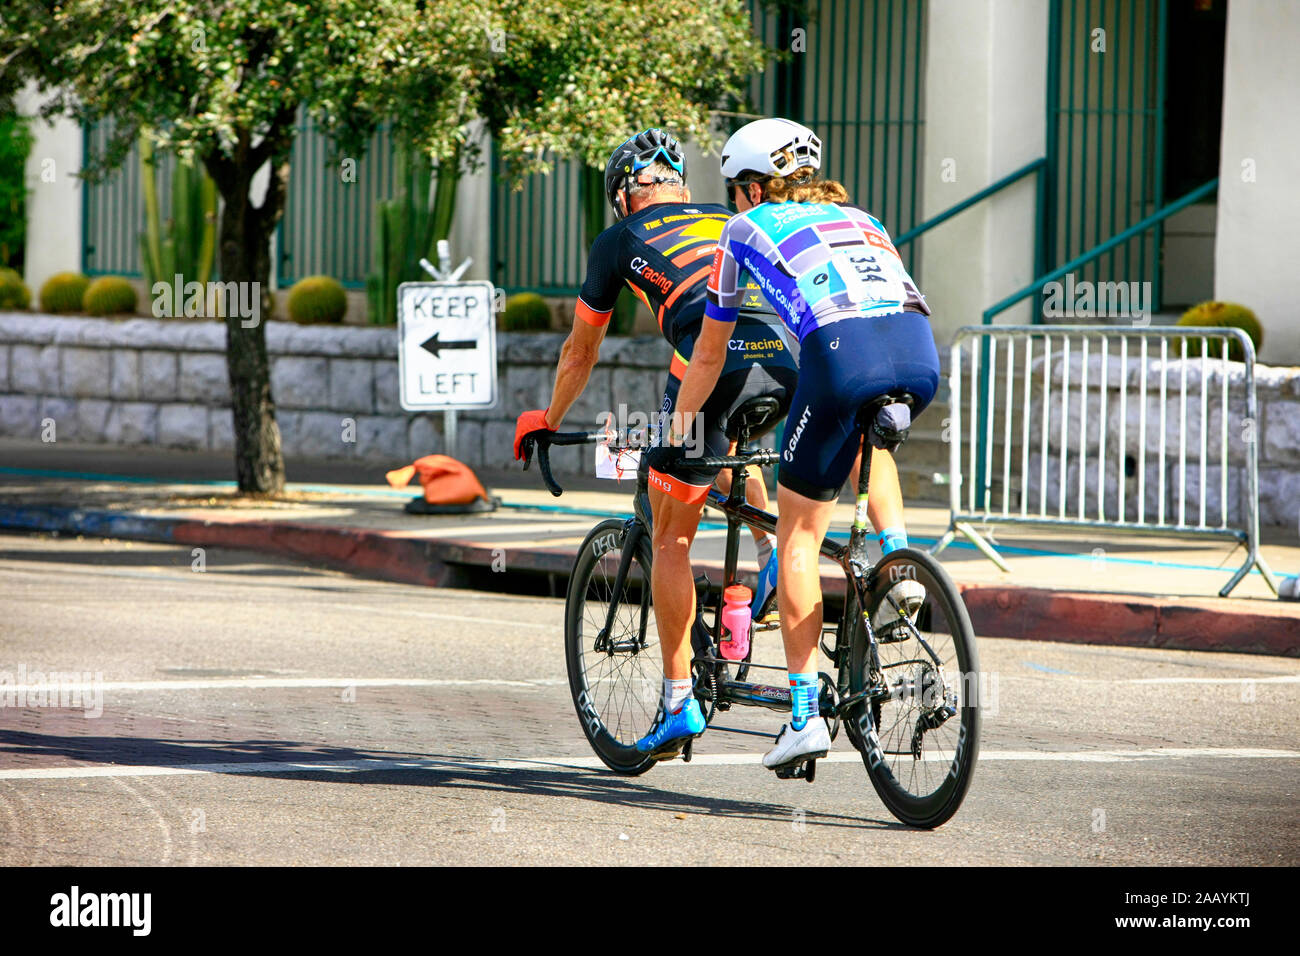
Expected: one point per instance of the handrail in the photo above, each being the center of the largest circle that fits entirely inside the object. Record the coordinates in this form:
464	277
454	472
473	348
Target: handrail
1099	250
965	204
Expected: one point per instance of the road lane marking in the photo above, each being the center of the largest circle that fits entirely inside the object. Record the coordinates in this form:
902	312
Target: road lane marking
273	683
368	765
1279	679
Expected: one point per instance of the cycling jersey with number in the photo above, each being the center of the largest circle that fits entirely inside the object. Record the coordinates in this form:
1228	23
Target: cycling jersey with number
816	263
663	254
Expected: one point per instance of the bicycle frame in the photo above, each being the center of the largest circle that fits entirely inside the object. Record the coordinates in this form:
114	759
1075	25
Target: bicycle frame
851	557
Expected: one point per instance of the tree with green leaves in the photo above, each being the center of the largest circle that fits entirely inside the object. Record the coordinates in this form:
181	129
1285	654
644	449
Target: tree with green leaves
223	82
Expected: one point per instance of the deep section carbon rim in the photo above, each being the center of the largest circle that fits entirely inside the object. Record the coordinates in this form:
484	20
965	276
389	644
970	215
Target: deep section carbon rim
615	678
926	734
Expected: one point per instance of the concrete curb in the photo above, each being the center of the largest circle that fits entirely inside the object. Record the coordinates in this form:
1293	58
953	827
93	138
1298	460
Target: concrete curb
1222	624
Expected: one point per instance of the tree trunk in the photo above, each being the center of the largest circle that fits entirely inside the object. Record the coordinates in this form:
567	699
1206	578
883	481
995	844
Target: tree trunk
245	256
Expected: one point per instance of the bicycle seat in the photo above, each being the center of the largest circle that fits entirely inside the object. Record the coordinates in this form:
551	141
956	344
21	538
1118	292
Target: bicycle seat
754	417
886	420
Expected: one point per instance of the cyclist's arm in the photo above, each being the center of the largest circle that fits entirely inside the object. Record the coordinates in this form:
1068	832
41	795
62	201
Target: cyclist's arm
578	357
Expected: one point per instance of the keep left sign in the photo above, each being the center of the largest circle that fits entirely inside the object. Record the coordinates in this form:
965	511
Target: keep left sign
447	347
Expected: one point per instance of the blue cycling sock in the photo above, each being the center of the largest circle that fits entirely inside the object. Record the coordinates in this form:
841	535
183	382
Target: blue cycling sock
803	699
891	539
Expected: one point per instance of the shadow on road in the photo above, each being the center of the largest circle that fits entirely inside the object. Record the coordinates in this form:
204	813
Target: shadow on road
576	783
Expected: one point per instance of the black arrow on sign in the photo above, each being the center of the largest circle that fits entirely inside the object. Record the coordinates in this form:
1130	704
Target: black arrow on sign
432	345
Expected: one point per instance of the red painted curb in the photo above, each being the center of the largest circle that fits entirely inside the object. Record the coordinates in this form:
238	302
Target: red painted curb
1219	624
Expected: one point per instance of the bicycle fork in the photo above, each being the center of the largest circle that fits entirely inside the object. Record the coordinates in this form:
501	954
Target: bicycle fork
633	531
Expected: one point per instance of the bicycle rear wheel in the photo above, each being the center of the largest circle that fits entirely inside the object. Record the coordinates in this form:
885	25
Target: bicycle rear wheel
615	677
923	742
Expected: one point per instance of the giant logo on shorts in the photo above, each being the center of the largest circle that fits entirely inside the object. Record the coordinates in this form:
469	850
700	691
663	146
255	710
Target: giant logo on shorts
798	430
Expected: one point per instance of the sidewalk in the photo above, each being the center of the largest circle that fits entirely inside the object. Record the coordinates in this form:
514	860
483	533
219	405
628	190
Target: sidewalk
1144	592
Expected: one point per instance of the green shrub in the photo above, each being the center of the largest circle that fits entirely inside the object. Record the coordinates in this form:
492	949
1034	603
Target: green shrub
109	295
63	292
1223	315
526	312
14	293
317	299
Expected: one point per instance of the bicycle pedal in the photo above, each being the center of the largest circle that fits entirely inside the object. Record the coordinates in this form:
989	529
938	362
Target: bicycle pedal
804	768
686	751
670	751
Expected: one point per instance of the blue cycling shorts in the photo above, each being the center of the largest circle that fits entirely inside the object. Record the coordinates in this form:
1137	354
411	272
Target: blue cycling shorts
842	366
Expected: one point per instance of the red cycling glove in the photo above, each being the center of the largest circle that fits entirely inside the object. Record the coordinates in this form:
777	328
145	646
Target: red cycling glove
531	421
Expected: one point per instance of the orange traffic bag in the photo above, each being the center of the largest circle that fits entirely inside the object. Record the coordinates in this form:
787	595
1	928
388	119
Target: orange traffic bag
450	487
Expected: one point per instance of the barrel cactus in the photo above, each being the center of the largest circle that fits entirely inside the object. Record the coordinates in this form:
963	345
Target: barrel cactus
317	299
14	293
1223	315
109	295
526	312
63	292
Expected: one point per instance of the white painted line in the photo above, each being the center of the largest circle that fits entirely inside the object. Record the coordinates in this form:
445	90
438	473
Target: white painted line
267	683
590	763
1281	679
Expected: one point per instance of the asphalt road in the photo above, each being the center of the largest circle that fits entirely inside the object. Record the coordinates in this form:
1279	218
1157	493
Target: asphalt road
262	712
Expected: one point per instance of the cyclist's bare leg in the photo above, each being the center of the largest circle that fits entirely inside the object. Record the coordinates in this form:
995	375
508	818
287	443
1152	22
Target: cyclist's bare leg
672	584
799	534
885	501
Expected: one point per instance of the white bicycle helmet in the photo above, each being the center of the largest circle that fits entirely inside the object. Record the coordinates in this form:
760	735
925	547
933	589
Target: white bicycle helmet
769	147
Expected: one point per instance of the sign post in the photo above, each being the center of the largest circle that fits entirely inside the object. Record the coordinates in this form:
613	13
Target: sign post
447	344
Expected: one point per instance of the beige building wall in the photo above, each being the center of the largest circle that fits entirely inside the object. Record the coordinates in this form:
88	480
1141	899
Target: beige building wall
984	117
53	198
1258	238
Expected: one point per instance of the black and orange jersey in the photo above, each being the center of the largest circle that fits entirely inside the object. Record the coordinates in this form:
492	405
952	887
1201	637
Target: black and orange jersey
664	254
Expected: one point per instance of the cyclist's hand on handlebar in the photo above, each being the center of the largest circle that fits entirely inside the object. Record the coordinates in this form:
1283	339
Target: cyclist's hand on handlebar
528	423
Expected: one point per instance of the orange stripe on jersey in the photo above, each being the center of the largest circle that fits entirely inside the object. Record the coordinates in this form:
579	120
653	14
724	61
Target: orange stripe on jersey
690	281
591	316
678	367
640	294
689	254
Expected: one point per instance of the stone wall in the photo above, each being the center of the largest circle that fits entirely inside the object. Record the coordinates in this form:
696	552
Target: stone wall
164	382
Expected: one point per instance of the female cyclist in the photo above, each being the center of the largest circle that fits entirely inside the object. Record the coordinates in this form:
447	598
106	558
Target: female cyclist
833	275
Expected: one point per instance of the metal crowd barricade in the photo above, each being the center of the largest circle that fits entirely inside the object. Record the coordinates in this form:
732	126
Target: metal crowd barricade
1067	417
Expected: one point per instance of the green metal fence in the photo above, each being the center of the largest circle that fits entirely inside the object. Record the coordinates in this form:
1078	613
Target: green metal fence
853	74
112	211
862	94
329	213
1106	134
537	231
329	216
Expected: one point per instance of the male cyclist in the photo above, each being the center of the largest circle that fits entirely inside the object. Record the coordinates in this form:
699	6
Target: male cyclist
662	248
837	282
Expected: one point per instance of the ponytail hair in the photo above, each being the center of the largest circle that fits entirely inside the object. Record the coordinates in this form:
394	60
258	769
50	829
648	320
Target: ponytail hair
802	185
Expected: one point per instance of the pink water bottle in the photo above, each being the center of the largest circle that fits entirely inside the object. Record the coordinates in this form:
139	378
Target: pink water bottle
735	618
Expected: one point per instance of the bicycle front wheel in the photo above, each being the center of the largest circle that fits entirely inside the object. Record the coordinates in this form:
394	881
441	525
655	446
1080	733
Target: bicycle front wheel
614	663
923	741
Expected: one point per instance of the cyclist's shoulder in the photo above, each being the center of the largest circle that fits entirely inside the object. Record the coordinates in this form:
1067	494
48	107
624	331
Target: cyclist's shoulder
653	218
854	211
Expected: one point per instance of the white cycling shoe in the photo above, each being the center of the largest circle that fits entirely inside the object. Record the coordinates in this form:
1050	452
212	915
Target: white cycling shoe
908	595
812	742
